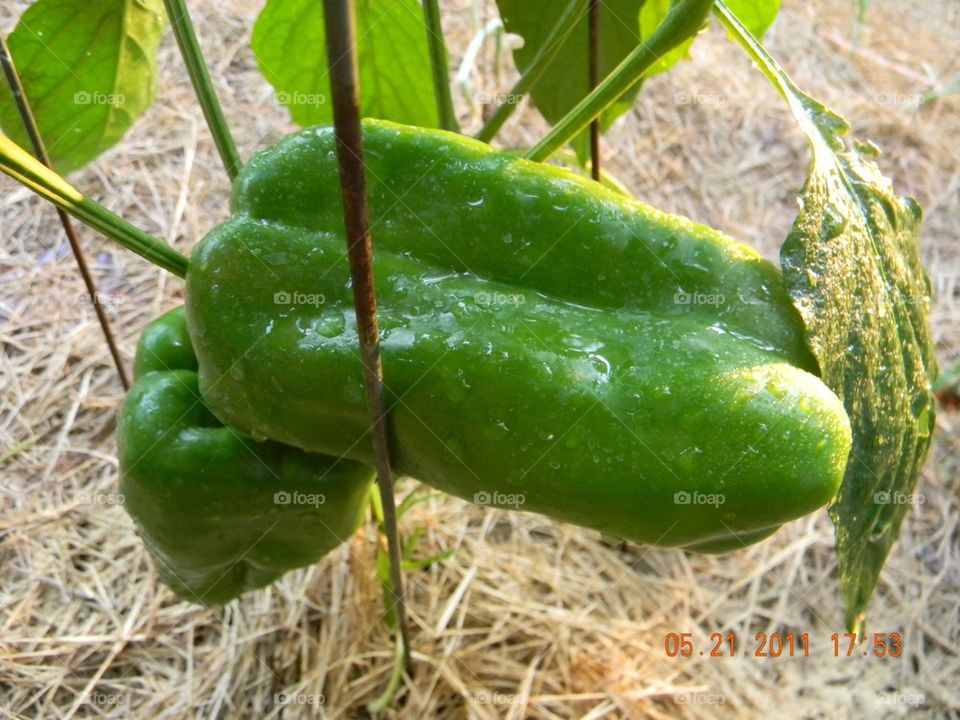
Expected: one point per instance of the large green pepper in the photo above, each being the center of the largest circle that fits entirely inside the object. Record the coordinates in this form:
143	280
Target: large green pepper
219	513
548	345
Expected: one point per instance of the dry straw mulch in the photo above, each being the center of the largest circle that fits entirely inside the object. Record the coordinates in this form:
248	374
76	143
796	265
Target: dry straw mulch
528	618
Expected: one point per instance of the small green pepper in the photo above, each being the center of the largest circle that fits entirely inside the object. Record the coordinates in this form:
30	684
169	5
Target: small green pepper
219	513
548	345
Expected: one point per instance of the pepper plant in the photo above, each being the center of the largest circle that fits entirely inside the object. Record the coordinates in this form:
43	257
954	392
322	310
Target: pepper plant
519	329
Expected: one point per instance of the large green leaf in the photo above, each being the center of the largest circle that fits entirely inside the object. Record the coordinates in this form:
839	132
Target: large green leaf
566	80
852	266
89	69
394	60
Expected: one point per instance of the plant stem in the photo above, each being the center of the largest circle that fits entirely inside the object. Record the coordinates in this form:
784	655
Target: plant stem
396	675
202	85
541	61
439	66
30	125
682	21
344	84
27	170
594	71
771	69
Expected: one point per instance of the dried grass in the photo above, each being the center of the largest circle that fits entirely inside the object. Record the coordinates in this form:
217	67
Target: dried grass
529	618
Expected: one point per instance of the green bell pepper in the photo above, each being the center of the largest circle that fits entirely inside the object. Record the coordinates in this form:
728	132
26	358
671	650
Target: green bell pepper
548	345
219	513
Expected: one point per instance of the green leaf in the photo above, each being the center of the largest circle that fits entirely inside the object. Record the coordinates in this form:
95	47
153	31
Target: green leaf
566	80
852	267
396	81
89	70
756	15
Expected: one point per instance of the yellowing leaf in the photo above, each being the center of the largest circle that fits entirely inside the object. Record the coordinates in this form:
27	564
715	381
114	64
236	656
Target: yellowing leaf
89	70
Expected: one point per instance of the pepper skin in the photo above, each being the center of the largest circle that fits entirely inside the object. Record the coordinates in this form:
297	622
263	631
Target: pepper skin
219	513
548	345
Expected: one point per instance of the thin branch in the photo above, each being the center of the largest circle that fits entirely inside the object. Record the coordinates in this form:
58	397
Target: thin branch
439	66
202	85
545	54
594	70
344	84
30	125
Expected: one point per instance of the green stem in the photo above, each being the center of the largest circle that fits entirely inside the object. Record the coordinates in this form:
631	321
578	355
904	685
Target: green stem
439	66
383	702
203	85
683	21
376	506
401	659
27	170
769	67
545	55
